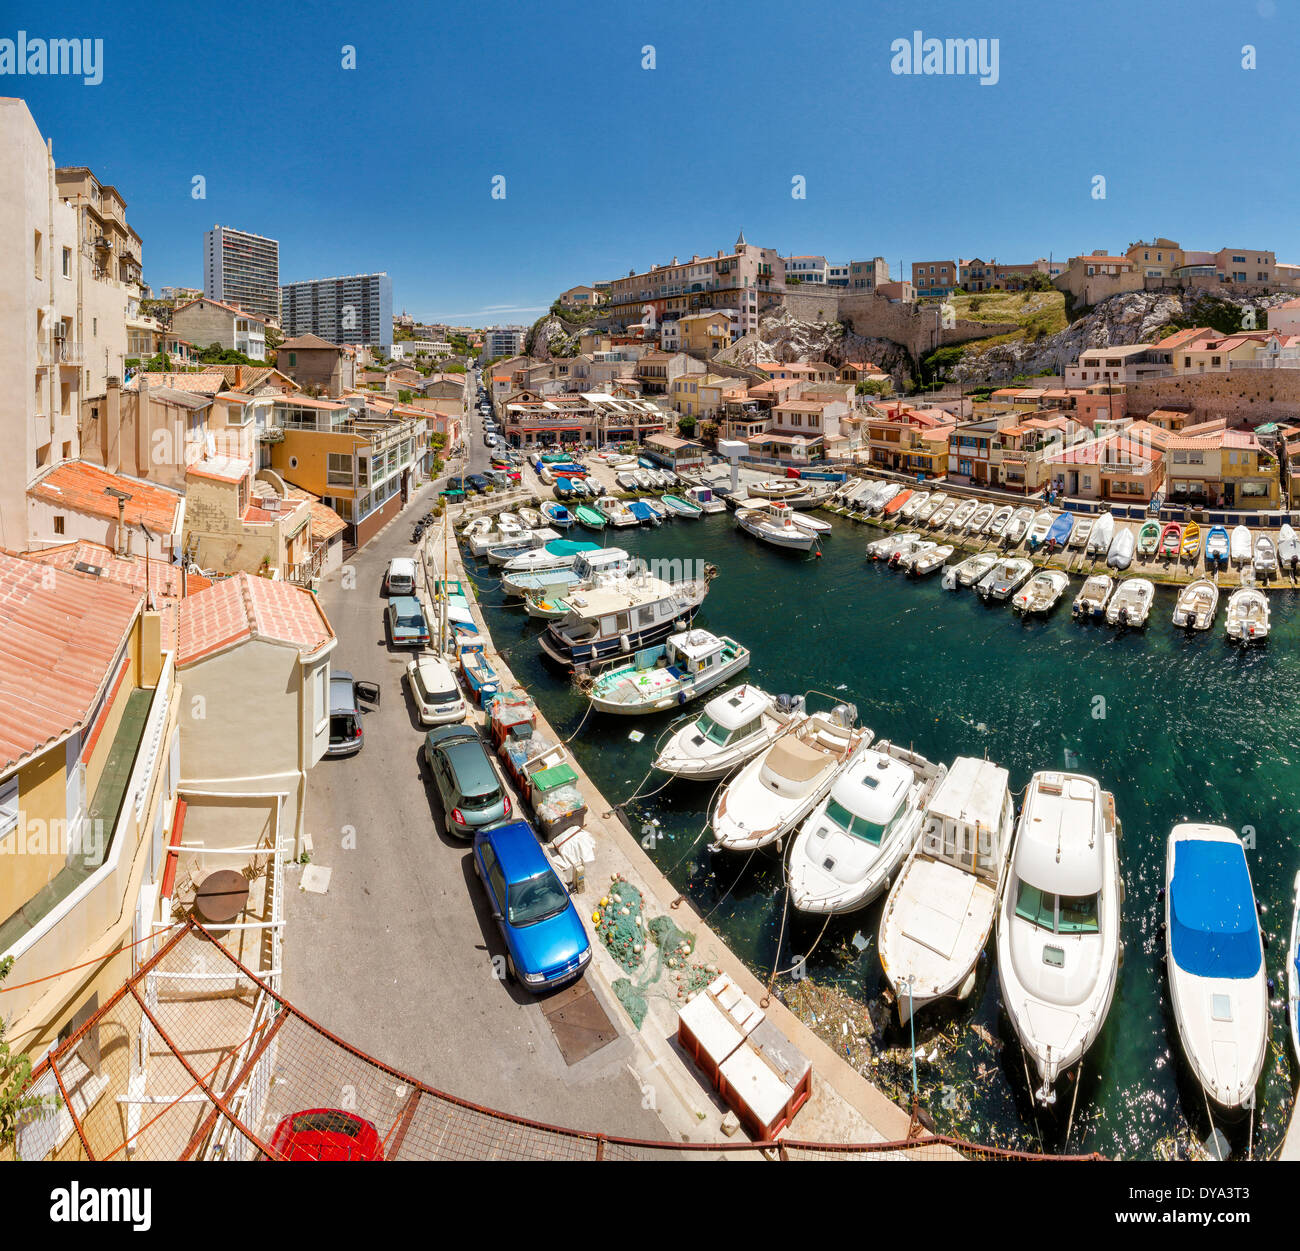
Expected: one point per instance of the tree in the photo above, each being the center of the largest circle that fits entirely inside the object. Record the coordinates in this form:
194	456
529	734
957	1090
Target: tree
273	338
686	426
15	1070
403	397
874	386
709	432
162	363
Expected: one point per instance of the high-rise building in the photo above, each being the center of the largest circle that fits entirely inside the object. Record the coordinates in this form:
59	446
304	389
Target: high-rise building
243	270
355	309
503	341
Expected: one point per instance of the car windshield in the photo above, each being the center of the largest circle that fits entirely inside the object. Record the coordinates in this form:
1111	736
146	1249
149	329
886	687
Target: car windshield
711	730
536	898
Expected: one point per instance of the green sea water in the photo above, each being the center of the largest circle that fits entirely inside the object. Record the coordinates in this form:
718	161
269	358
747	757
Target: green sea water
1178	726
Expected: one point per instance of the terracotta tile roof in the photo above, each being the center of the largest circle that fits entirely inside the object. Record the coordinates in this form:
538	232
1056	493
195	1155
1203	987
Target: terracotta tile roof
79	487
1240	439
307	342
247	607
325	522
209	382
230	308
58	640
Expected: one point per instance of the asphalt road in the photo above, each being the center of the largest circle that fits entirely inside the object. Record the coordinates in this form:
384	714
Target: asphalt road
396	957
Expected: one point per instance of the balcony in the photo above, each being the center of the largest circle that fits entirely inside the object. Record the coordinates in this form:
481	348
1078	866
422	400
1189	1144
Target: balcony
70	352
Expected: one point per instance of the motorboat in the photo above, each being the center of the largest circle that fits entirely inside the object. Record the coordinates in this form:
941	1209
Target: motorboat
1214	959
1058	533
773	522
1130	605
1171	539
1240	545
1247	616
998	523
1191	547
1148	539
704	499
680	507
894	508
1120	553
1018	526
1094	595
962	514
851	844
1293	971
813	495
973	568
773	793
883	495
585	569
684	667
931	506
884	548
1288	549
777	488
615	618
1040	594
1082	532
480	525
1216	546
518	545
590	517
616	512
1005	578
510	523
1039	528
627	480
545	608
643	480
531	518
817	525
926	562
942	908
945	513
557	554
732	728
981	519
644	514
1197	604
557	515
1103	530
1265	557
670	478
917	500
1059	923
903	556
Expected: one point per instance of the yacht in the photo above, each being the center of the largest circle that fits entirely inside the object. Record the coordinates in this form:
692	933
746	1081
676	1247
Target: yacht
733	728
777	789
941	910
1248	616
1040	594
852	843
1197	603
774	523
1059	923
1092	599
1131	604
684	667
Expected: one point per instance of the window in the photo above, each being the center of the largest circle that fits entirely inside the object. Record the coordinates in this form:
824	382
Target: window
67	262
8	805
58	525
339	469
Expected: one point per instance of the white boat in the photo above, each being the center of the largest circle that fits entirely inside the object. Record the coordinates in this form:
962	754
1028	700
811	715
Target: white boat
777	789
999	521
1093	596
1265	557
931	506
917	501
1288	549
1197	604
558	554
1248	616
883	548
480	525
627	480
941	518
658	509
615	511
546	474
1103	530
1017	526
1120	553
1041	524
509	523
734	727
1005	578
1040	594
806	521
1081	533
684	667
704	498
928	561
981	519
962	514
519	542
532	518
1131	604
941	910
1059	923
903	550
882	496
1214	959
1240	545
587	568
774	523
852	843
777	488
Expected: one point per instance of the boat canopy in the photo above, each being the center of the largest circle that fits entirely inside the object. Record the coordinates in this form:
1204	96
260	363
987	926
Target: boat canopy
1061	528
873	788
794	760
1060	845
642	512
736	708
1215	929
570	547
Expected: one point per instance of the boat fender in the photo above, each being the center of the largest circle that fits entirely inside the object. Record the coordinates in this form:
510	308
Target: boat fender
624	645
1121	954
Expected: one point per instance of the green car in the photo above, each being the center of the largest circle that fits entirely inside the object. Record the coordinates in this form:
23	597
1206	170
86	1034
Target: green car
406	624
467	782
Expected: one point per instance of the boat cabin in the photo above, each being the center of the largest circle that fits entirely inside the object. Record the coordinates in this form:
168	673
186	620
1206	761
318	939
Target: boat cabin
868	799
1060	862
970	817
733	717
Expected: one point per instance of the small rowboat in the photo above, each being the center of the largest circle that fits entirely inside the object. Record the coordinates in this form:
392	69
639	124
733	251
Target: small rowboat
896	504
1171	539
1191	541
1148	539
1216	546
589	517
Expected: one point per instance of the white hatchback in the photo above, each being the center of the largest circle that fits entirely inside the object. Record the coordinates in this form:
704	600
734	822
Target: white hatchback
436	696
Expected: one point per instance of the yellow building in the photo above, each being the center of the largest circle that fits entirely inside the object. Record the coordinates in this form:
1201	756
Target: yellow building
1221	465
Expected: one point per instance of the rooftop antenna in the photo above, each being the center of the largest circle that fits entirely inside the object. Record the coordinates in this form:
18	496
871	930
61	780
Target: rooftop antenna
148	588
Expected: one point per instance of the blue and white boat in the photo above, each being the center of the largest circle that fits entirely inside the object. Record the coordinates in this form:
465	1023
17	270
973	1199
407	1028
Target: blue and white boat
1059	533
1215	961
558	554
644	513
586	568
557	514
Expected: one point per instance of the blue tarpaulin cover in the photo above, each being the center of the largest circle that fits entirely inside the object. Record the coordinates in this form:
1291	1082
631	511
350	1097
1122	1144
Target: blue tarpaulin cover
642	512
1212	910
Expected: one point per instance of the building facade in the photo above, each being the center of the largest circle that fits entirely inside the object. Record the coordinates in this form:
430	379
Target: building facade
242	269
357	308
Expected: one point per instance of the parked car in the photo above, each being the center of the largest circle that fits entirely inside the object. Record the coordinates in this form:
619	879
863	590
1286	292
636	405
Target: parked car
346	698
489	439
477	482
400	578
436	696
469	787
406	624
326	1134
546	942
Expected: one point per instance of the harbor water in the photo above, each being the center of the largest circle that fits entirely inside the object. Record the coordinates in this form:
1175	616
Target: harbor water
1180	727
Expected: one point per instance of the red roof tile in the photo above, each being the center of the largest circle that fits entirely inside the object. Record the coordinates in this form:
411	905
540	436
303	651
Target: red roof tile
246	607
79	487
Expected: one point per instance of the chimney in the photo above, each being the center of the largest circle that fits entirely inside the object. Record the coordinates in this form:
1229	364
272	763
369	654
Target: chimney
239	376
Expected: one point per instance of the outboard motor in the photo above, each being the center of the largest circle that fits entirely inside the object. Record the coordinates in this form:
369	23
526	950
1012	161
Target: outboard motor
845	715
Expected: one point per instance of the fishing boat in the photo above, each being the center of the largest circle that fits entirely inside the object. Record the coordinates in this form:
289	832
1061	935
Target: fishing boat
590	517
1103	530
682	668
480	677
543	608
1240	545
1191	548
562	490
586	568
557	554
1004	579
627	480
615	618
680	507
1059	533
942	908
1216	546
850	845
778	788
998	522
1130	606
1265	557
903	550
1120	553
510	523
733	728
1288	549
1018	526
973	568
1197	604
1215	962
777	488
773	522
1039	528
931	506
926	562
1247	616
916	500
1040	594
1082	532
883	548
940	519
981	519
643	480
546	474
962	514
579	488
1093	596
557	515
893	510
532	518
644	514
703	498
615	512
528	541
1059	923
1148	539
1171	538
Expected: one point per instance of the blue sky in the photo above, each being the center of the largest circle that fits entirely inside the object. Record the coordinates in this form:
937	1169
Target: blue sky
609	166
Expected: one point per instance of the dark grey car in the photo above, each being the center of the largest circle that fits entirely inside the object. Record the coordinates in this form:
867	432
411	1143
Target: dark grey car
346	697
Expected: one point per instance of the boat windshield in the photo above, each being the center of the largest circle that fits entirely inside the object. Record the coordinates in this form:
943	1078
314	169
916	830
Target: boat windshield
711	730
1058	914
860	827
536	898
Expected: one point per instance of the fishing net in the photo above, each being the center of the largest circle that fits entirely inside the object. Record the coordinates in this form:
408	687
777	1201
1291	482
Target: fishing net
620	922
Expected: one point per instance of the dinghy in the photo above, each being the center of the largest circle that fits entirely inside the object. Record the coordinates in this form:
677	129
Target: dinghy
1197	604
733	728
1039	528
589	517
1059	923
1092	598
1215	962
1120	553
680	507
962	514
998	524
1171	538
1130	606
944	515
1265	557
1216	546
1040	594
941	910
543	608
1240	545
1059	534
1082	532
557	515
1103	530
917	500
1148	539
981	519
931	506
1020	522
1288	550
1247	616
1191	548
923	563
973	568
894	509
883	549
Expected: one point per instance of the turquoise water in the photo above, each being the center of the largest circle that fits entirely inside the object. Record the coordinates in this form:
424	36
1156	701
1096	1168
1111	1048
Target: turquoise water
1178	727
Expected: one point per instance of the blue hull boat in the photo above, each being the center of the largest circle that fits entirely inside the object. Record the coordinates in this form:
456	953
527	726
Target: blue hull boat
1060	530
643	513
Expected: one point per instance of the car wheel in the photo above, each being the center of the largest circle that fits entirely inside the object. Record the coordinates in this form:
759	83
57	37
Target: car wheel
512	973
